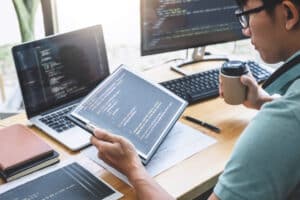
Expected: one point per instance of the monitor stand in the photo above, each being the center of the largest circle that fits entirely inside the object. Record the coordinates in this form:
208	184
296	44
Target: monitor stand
199	55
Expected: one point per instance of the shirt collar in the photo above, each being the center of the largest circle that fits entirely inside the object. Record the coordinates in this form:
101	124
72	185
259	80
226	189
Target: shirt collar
293	56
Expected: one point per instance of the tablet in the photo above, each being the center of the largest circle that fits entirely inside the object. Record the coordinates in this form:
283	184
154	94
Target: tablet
128	105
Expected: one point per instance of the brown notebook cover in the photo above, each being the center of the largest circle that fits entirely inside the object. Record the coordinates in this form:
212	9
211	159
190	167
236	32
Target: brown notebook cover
20	145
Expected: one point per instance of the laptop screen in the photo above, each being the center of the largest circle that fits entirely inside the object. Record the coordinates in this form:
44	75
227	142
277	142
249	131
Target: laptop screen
61	68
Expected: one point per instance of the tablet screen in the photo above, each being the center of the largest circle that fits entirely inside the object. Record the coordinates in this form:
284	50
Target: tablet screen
128	105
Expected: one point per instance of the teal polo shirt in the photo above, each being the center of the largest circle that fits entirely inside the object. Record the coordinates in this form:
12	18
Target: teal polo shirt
265	163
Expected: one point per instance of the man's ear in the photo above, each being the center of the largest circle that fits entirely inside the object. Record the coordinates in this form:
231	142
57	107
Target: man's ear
291	14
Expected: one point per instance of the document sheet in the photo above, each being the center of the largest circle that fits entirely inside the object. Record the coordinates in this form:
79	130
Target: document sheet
181	143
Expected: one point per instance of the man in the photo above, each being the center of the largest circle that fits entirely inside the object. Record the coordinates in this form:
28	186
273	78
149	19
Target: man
265	163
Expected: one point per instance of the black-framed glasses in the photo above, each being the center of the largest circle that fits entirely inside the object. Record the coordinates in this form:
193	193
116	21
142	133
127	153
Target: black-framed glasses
243	16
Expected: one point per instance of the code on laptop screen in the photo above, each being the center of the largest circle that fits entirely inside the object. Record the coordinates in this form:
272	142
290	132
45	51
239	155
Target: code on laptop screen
55	70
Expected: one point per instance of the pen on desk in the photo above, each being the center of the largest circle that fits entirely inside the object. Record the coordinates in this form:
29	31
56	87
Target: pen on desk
204	124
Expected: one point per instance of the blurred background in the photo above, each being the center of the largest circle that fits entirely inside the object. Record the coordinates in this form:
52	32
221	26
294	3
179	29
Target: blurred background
121	24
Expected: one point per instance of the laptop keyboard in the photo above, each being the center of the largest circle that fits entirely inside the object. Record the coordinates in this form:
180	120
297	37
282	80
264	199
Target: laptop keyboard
58	120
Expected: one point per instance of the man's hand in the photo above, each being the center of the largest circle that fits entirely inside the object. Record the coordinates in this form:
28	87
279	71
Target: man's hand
256	96
118	153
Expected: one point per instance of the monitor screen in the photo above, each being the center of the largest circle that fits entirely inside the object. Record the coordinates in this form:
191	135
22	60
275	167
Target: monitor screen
169	25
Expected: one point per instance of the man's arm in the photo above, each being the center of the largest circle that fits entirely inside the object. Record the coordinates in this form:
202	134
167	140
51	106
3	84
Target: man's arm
146	188
120	154
213	196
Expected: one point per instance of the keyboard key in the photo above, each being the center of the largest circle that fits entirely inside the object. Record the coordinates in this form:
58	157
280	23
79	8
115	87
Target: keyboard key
58	120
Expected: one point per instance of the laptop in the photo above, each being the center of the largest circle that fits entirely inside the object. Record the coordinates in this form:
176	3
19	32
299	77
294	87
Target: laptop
54	74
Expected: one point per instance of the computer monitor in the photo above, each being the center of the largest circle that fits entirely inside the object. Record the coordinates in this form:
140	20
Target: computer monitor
169	25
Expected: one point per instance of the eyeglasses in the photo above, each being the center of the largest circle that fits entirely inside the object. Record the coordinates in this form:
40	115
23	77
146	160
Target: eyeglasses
243	16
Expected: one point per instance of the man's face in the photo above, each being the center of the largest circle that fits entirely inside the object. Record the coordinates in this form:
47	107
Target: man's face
265	32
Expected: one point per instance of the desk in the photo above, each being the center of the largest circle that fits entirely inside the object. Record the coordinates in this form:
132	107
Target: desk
195	175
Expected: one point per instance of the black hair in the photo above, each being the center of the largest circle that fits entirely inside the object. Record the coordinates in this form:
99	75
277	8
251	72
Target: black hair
241	3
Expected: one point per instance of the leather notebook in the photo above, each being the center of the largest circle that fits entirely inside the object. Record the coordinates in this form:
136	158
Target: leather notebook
19	145
29	167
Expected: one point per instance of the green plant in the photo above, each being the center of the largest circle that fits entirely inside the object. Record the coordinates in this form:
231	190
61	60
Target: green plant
4	51
26	10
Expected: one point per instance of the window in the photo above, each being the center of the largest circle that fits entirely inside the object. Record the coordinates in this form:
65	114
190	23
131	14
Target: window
10	35
121	23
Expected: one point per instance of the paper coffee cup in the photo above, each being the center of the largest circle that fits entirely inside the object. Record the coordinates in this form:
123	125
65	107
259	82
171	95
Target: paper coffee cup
234	92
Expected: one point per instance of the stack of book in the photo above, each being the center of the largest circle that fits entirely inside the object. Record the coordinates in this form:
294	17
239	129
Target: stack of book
23	152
